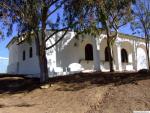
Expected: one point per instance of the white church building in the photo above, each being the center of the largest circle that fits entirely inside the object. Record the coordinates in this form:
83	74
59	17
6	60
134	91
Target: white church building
83	54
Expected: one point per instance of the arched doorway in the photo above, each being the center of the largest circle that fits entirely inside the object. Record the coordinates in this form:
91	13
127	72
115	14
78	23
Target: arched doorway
124	56
106	54
88	52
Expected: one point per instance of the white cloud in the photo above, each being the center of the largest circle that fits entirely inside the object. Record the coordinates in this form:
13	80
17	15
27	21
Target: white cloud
3	58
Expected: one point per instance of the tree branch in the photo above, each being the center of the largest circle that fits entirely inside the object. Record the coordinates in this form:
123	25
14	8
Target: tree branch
55	9
57	40
55	32
65	28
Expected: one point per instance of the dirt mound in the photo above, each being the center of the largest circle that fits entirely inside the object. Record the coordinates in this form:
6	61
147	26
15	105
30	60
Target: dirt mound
78	93
125	99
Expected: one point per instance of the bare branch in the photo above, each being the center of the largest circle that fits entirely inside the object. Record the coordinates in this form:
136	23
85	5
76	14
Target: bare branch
57	40
55	32
55	9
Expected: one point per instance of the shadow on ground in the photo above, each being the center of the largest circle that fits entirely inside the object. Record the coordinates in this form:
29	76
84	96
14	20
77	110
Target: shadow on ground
13	85
17	105
85	80
74	82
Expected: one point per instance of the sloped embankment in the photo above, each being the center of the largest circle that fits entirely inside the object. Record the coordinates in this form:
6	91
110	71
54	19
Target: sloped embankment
79	93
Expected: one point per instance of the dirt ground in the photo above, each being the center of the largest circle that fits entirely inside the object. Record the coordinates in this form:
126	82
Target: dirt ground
79	93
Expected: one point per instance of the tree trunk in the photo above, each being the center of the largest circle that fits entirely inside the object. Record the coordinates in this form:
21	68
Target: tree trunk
40	49
110	56
146	43
43	59
147	52
148	55
43	64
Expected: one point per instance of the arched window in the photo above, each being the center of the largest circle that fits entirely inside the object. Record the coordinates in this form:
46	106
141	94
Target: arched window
106	54
88	52
124	56
24	55
30	52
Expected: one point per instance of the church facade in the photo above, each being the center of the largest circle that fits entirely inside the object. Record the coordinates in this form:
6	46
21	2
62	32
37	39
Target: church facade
82	54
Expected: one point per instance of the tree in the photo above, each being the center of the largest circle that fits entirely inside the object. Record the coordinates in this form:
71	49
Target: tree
109	15
141	22
112	16
34	16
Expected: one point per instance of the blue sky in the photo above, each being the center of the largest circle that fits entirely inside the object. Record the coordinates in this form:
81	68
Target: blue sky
3	64
4	53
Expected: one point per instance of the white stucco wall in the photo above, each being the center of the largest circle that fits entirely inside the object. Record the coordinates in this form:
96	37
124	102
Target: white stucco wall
141	56
105	64
71	52
13	59
32	64
16	63
129	48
